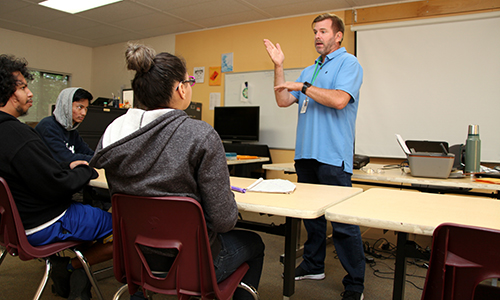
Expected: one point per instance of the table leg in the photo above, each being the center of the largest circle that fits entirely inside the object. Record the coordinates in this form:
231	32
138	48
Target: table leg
398	292
291	237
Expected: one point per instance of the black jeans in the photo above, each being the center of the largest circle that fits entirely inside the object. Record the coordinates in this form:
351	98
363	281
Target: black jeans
346	237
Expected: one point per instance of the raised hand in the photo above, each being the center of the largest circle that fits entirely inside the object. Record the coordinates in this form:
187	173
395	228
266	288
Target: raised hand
275	52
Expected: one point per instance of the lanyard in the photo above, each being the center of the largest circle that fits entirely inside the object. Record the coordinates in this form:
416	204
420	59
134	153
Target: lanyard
316	72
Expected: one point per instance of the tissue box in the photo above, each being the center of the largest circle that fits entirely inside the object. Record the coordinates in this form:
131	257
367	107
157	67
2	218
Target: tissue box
424	164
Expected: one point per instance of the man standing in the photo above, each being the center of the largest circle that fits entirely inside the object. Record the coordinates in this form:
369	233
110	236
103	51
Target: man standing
42	188
327	94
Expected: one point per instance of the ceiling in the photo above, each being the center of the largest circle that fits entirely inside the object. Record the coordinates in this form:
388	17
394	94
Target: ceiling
140	19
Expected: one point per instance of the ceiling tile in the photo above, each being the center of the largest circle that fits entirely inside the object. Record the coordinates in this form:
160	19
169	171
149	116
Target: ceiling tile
147	21
116	12
213	8
67	24
133	19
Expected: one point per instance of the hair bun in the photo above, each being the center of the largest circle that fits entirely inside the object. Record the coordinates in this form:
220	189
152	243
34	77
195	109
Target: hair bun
140	58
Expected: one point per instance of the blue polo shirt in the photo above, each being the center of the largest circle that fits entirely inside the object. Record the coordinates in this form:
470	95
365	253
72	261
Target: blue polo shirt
323	133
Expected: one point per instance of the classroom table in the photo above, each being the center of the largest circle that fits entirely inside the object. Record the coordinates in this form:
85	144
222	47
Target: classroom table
408	212
308	201
376	174
247	160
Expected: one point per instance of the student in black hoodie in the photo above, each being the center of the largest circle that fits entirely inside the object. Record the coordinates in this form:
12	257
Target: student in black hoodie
42	188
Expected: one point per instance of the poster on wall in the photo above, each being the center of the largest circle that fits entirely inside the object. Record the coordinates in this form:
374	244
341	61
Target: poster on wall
214	76
227	62
199	74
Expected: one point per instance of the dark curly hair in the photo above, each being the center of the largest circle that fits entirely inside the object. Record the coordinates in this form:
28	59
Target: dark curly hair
8	65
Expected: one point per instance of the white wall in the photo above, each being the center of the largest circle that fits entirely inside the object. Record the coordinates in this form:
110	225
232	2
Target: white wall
50	55
109	72
100	70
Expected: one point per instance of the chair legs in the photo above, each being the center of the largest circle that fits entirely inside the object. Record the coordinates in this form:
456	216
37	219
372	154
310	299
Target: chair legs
3	254
45	278
120	292
48	269
250	289
88	270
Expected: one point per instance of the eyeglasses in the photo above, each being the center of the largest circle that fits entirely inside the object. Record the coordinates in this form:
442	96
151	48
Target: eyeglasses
191	81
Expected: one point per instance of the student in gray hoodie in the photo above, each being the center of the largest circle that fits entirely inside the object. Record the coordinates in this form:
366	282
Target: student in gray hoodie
59	132
157	150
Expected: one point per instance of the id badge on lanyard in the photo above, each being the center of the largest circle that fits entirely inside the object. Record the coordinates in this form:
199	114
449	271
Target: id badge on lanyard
303	109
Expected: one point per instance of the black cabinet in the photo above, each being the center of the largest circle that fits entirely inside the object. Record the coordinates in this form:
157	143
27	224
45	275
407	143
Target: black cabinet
96	121
253	170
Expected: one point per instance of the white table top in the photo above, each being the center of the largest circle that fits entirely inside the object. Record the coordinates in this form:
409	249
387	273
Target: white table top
287	167
247	161
99	182
396	175
374	172
308	201
414	212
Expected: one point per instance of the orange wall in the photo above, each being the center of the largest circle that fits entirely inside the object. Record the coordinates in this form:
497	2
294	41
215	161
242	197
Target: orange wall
204	49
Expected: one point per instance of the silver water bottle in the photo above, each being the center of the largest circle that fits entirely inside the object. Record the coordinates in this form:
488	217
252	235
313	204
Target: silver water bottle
473	150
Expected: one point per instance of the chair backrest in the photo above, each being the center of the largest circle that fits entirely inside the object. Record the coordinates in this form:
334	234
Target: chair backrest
10	223
12	233
162	223
462	256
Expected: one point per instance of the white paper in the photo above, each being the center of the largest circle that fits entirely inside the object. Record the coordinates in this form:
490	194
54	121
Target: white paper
244	92
272	186
214	100
403	144
199	74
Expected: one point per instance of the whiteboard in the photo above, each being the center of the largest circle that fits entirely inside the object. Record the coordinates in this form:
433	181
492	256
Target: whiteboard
277	125
429	81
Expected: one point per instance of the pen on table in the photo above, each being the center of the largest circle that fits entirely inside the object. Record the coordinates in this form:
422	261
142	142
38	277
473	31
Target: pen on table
237	189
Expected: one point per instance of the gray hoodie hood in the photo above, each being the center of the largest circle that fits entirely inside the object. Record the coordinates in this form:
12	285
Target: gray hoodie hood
64	109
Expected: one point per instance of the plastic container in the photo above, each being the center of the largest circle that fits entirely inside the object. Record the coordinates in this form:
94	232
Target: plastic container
231	155
434	165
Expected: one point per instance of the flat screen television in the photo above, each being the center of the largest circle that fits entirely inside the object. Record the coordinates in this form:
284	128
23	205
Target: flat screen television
237	123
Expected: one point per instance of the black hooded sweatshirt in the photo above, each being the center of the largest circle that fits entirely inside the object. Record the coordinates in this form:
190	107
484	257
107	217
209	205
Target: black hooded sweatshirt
41	187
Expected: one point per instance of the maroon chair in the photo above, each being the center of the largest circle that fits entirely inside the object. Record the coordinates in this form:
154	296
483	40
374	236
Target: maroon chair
462	257
14	241
175	223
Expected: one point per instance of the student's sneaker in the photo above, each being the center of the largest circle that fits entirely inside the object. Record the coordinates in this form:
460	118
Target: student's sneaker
351	295
301	274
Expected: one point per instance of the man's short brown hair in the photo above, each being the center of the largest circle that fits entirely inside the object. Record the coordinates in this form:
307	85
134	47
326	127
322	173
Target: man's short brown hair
337	22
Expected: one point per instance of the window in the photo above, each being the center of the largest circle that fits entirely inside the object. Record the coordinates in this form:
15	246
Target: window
45	87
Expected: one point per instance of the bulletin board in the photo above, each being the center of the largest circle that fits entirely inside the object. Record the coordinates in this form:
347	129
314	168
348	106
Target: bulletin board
277	125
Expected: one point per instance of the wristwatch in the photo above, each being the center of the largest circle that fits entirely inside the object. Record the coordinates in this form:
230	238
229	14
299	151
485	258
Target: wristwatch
305	87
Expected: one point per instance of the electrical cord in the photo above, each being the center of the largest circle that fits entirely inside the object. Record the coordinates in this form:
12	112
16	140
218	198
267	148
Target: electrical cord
382	245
